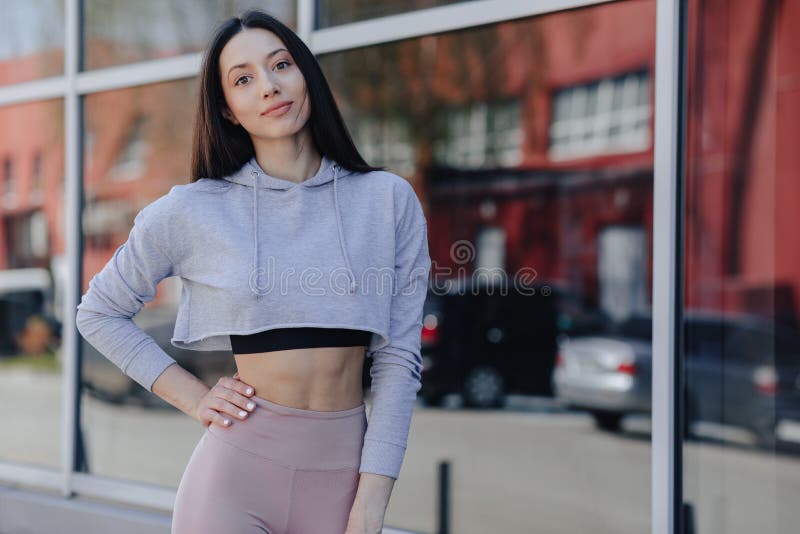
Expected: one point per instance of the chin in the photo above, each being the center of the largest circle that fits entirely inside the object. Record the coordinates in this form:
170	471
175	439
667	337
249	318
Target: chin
273	134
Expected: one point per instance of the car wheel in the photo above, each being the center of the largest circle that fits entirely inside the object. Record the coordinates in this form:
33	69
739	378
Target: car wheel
610	421
484	387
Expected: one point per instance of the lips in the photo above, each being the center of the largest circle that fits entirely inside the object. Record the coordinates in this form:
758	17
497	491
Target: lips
277	109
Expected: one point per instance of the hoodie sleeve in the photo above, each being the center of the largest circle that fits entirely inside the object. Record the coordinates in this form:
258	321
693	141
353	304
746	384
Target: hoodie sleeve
396	368
116	294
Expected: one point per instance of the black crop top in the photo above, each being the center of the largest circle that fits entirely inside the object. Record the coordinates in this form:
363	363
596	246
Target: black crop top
298	337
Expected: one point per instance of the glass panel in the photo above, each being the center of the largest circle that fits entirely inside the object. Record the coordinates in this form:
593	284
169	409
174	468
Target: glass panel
31	40
137	147
335	12
32	281
120	31
742	269
539	402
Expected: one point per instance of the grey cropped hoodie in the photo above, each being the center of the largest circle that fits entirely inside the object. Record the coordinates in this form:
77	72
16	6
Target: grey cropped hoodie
254	252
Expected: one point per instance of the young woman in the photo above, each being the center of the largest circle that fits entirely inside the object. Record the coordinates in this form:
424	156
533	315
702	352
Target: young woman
301	259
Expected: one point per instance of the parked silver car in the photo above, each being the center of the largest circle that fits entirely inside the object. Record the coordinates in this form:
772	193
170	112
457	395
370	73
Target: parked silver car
607	373
741	370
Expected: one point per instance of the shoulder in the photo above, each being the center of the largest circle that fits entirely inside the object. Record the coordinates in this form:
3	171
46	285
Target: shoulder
202	185
396	191
180	199
388	181
162	211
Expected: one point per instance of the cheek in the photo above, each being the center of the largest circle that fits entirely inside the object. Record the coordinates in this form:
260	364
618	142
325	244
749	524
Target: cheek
238	103
303	99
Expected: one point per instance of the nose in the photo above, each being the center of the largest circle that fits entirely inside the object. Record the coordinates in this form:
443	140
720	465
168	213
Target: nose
268	85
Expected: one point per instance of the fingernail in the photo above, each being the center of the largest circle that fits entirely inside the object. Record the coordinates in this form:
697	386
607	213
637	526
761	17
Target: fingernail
251	405
249	391
242	413
226	422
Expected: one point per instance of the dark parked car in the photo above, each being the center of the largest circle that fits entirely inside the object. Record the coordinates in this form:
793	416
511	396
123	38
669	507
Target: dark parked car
26	294
483	343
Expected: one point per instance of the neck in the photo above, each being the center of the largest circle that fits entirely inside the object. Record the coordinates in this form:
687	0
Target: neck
292	158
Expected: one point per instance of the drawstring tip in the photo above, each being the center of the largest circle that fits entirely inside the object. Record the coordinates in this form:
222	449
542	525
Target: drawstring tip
352	286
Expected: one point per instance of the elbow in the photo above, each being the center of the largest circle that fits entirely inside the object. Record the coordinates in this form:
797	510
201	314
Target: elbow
87	321
397	366
82	320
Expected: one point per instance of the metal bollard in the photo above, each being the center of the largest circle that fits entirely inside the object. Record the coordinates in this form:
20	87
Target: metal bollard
688	526
444	498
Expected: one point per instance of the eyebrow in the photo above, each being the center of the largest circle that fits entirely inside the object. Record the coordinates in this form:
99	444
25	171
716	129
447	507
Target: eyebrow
240	65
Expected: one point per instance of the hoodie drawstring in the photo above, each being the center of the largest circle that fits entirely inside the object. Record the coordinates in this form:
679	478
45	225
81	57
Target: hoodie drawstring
255	234
342	244
341	232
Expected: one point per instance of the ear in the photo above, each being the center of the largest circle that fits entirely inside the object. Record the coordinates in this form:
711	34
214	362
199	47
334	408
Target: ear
226	113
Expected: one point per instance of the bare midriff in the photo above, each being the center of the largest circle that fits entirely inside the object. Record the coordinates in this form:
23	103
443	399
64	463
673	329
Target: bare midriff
326	379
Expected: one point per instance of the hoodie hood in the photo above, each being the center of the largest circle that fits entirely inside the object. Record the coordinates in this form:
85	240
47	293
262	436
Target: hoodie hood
253	176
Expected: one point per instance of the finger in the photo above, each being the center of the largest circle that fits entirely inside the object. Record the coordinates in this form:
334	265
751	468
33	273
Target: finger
236	385
234	397
213	417
223	405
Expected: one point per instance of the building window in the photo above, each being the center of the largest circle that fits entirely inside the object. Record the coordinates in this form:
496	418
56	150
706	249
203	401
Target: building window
622	271
607	116
36	177
9	196
490	255
386	142
482	134
26	240
131	163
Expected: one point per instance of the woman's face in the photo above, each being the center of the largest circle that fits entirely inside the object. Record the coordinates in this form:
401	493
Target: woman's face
257	73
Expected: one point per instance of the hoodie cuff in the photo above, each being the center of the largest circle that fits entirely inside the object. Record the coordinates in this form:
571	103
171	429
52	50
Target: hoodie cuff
381	458
148	366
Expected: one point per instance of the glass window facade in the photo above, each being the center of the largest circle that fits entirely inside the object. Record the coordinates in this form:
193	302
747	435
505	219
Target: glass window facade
32	42
336	12
32	281
119	32
741	359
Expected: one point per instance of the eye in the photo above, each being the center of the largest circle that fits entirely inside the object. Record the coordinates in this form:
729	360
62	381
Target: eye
240	78
283	61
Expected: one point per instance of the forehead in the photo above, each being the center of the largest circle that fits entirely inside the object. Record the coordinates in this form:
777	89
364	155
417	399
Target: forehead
249	45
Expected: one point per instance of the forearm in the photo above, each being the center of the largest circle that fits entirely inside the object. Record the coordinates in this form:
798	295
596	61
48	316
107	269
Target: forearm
374	491
180	388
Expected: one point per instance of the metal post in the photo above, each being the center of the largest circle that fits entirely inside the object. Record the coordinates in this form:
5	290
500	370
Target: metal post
444	498
666	272
72	188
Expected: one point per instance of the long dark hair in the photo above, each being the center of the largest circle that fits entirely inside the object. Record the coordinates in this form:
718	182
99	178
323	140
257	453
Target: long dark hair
220	148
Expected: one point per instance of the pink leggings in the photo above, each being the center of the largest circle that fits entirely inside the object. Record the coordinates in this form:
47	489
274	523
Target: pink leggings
283	470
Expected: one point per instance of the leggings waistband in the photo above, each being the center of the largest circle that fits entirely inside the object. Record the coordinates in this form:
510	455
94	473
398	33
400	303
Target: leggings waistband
298	438
300	412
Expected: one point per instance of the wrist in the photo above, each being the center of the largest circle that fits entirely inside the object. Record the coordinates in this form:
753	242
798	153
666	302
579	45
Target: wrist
181	389
374	490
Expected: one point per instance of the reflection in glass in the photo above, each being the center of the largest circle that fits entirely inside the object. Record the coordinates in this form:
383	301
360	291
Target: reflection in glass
742	335
31	40
610	115
119	31
335	12
553	384
137	147
32	282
